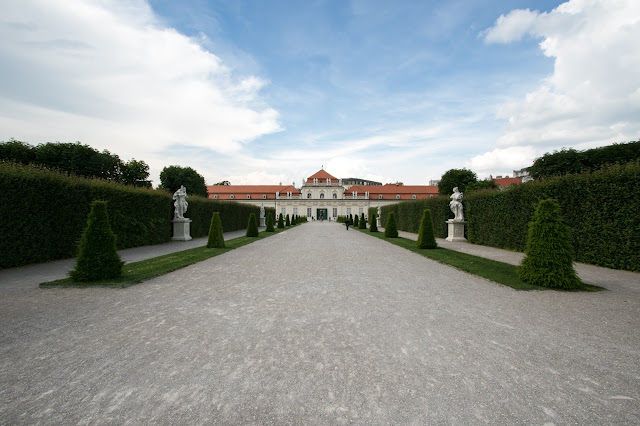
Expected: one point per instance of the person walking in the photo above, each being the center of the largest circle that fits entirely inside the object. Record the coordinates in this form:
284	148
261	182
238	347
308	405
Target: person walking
346	222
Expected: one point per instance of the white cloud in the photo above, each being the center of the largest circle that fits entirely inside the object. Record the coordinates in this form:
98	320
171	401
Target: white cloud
591	99
501	161
109	74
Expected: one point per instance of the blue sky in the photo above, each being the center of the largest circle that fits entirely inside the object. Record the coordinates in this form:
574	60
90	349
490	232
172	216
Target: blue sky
270	91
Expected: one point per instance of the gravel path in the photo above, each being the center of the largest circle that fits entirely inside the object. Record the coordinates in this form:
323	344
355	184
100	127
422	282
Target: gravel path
318	325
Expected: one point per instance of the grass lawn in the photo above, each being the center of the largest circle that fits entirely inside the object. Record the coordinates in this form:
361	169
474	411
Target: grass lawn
499	272
135	272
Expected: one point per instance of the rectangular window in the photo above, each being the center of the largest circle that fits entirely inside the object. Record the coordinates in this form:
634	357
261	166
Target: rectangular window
295	211
335	212
308	211
360	211
348	211
283	211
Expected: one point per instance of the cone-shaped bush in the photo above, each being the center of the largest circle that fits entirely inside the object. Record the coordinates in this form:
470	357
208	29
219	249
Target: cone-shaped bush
356	221
548	256
280	222
390	229
252	226
216	239
270	223
294	220
97	257
363	223
426	237
287	222
373	225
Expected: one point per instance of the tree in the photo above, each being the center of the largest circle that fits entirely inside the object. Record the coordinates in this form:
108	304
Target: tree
172	177
373	223
356	221
280	222
571	161
79	160
97	255
252	226
426	237
390	228
456	177
135	173
224	182
269	223
287	222
548	258
216	236
17	151
362	224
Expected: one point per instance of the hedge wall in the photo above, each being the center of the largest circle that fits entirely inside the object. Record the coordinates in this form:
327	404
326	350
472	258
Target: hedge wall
601	208
44	212
408	214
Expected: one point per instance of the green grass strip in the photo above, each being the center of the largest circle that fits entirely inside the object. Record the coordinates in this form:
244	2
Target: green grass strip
499	272
136	272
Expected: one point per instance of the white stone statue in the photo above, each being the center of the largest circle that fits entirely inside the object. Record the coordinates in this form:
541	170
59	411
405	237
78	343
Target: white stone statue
456	205
262	211
180	197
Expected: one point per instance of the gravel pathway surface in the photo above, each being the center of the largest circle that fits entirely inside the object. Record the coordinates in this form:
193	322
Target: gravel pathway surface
318	325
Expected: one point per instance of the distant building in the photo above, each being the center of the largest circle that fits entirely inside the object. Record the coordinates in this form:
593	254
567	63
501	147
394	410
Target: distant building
519	176
322	195
357	181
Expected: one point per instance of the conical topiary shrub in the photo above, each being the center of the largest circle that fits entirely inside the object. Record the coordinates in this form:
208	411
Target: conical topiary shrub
252	226
216	239
373	223
280	222
356	221
548	255
97	256
363	223
270	223
426	237
287	222
390	229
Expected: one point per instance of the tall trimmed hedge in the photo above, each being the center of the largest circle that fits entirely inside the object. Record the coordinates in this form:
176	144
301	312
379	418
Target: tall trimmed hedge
600	208
44	213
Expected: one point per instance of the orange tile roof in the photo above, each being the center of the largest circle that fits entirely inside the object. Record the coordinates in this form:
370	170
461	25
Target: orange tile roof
322	177
390	191
507	181
240	192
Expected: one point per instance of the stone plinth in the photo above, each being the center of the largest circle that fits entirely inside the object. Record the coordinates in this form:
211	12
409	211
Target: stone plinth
456	230
262	221
181	229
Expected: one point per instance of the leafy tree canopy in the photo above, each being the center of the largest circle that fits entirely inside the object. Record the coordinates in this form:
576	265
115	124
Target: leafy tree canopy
79	160
571	161
224	182
456	177
173	176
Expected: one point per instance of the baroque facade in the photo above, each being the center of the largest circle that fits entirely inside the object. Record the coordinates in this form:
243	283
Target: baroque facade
322	196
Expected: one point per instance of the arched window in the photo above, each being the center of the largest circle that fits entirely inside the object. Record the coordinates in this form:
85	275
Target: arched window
215	197
413	196
335	196
231	196
380	197
308	195
248	197
264	196
398	197
321	195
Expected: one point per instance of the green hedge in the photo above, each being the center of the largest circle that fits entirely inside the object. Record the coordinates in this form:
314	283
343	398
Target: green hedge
601	209
44	213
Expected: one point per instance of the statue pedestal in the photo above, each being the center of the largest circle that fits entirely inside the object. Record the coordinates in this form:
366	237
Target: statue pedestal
378	222
456	230
262	221
181	229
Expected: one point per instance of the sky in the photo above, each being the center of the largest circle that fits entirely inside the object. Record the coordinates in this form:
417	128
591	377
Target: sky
269	92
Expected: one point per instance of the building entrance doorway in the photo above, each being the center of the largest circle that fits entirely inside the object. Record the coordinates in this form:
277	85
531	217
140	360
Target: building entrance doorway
322	214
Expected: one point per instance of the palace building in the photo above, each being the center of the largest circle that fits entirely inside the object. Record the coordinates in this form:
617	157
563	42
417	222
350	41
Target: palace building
323	196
